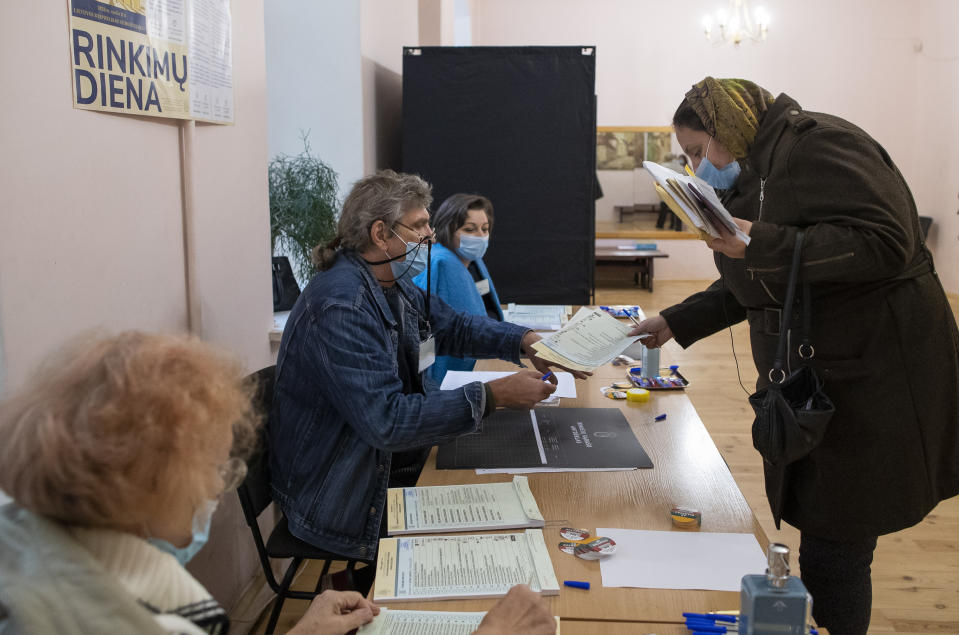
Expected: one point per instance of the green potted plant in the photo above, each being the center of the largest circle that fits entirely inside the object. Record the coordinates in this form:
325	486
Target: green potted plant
303	208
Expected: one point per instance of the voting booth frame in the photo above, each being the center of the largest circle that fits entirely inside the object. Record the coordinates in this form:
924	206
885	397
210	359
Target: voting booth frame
518	126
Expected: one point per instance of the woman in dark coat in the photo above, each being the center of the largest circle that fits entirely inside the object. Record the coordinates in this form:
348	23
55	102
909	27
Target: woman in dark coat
885	338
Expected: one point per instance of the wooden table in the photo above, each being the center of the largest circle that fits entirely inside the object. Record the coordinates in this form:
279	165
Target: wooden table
641	260
688	470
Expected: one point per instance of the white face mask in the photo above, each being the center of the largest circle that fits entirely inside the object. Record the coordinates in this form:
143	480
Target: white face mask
202	518
472	247
414	263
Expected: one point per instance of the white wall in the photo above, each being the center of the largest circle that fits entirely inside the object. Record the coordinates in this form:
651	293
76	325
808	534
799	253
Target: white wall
90	230
314	82
386	27
937	184
854	58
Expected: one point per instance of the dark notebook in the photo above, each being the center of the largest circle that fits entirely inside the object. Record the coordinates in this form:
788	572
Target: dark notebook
567	438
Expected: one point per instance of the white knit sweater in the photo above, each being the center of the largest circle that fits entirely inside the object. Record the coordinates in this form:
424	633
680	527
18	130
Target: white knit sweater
179	603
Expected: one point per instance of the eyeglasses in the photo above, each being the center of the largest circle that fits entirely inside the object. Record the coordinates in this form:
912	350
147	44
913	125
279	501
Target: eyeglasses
430	236
232	472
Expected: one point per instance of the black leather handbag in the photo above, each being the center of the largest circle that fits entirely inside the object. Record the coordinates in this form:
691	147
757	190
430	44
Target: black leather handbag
285	288
792	411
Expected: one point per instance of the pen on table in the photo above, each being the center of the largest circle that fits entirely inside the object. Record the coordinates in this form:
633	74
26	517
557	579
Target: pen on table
716	617
659	417
576	584
546	377
631	318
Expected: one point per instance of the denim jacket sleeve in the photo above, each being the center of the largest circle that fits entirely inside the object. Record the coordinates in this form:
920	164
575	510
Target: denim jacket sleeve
356	367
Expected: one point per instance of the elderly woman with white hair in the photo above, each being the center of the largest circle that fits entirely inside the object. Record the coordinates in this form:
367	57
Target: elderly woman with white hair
116	453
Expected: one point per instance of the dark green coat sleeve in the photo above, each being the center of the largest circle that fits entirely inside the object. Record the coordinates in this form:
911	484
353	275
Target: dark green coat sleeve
703	314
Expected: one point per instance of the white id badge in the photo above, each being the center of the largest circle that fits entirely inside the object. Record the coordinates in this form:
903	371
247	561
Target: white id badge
483	286
427	353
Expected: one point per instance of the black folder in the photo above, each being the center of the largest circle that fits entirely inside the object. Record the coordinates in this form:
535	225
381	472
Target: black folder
576	438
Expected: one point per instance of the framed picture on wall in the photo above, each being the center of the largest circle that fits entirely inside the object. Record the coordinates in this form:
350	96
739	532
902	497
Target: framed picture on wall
626	147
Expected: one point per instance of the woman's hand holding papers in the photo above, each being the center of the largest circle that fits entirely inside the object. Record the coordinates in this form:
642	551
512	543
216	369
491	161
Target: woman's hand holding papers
521	611
728	243
521	390
541	364
659	331
335	613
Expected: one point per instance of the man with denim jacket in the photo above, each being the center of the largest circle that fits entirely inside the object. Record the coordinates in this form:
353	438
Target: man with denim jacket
349	386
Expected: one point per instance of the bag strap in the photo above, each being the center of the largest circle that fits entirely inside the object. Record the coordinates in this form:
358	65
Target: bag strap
787	312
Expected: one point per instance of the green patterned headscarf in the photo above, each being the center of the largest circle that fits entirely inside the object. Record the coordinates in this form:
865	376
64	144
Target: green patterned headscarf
730	110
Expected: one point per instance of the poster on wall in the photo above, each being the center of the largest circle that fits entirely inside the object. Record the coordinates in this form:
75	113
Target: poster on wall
155	58
626	147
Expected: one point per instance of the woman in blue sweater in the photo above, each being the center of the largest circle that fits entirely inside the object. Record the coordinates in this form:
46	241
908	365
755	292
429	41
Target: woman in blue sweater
457	272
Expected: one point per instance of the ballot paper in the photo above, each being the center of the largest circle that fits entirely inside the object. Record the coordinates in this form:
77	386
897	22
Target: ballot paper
680	559
539	317
399	622
426	510
565	383
471	566
393	622
590	339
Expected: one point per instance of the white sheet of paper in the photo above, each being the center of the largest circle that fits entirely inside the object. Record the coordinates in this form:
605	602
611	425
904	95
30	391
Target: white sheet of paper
565	387
680	559
545	317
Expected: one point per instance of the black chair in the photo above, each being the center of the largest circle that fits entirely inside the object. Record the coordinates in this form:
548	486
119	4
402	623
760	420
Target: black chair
255	496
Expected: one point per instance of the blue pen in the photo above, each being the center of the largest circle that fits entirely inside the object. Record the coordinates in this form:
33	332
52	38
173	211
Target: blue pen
576	584
717	617
660	418
547	375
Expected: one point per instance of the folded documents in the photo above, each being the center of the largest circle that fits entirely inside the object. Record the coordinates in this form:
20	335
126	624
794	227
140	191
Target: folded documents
470	566
695	202
425	510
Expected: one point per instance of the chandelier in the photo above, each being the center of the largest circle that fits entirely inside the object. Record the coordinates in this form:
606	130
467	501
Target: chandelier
736	23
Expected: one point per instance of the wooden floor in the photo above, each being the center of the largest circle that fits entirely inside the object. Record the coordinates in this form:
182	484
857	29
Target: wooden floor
915	572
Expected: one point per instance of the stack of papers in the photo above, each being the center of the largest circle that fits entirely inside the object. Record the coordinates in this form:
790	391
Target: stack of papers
421	510
590	339
472	566
695	202
539	317
394	622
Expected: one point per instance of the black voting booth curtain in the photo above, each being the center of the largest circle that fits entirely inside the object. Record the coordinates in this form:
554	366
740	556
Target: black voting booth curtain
517	125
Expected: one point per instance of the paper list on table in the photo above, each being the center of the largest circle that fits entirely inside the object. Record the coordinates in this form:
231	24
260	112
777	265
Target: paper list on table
462	506
393	622
452	565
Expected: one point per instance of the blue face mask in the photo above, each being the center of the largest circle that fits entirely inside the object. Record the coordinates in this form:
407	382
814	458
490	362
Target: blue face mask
472	247
201	534
413	264
720	179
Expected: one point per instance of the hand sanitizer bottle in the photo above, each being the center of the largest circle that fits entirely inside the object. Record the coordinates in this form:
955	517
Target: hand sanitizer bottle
776	602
